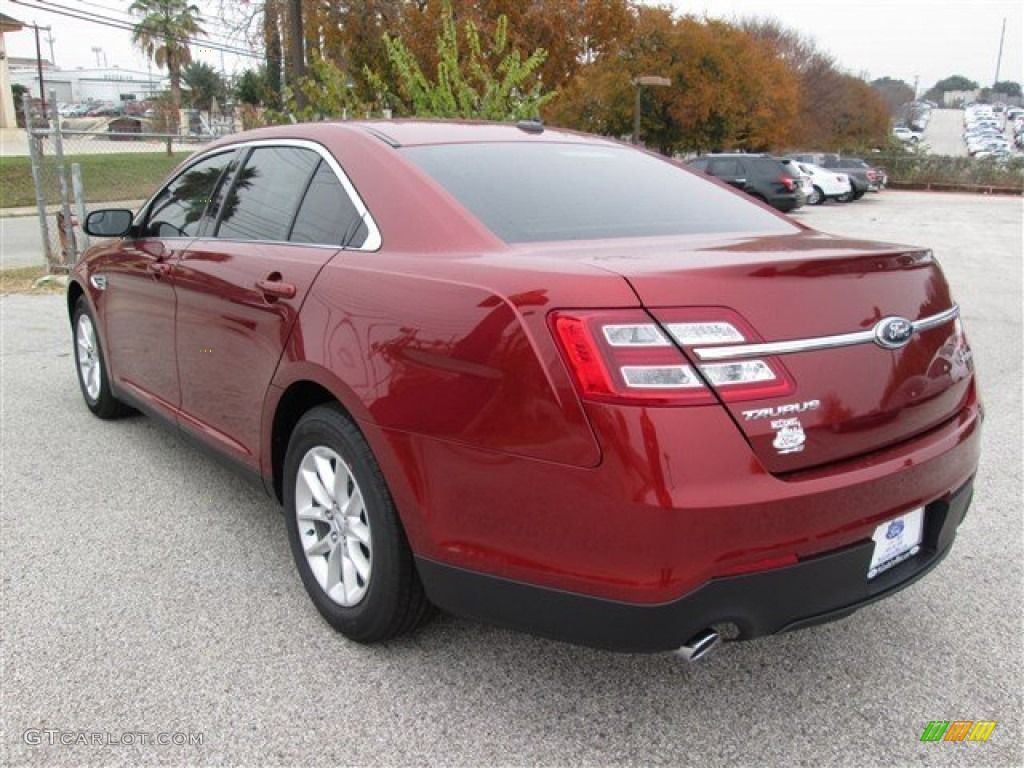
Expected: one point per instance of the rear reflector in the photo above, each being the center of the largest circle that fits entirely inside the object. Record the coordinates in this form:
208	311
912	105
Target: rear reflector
760	565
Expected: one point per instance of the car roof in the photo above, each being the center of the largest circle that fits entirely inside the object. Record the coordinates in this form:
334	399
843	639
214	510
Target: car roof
405	133
736	154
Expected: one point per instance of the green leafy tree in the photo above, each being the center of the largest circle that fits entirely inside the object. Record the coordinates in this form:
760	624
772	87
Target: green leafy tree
955	83
204	84
495	83
327	89
895	93
1007	88
251	87
162	33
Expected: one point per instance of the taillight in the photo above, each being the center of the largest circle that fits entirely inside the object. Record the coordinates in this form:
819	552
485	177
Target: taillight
733	380
626	356
622	356
788	183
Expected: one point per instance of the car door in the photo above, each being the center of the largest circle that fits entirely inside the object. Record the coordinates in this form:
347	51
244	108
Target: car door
139	300
277	220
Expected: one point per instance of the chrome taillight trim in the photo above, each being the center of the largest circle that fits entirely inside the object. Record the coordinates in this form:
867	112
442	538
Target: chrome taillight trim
739	351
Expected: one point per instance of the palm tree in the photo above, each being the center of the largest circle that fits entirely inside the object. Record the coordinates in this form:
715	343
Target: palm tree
162	33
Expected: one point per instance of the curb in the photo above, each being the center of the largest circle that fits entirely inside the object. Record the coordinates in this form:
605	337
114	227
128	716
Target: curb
943	186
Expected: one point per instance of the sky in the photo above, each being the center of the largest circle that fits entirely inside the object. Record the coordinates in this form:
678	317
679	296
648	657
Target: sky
903	39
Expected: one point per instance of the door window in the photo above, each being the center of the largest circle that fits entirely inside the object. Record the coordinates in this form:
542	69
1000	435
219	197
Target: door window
177	210
265	193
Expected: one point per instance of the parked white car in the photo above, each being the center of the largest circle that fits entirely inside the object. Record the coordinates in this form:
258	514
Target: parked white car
827	185
906	135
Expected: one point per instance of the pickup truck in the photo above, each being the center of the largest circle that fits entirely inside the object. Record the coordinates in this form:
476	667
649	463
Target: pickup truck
863	178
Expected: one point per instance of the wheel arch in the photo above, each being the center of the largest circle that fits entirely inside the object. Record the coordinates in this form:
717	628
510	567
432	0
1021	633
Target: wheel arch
74	293
296	400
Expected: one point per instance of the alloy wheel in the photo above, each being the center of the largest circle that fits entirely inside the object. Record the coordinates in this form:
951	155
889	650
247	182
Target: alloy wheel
88	356
334	530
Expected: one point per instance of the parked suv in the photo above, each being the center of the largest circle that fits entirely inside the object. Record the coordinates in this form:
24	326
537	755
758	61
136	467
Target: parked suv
760	176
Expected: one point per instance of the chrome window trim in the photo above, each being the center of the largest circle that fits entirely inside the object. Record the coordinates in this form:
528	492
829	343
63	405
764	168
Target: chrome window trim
373	240
740	351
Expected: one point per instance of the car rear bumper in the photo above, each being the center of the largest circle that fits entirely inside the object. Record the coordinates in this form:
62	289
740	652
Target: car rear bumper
819	589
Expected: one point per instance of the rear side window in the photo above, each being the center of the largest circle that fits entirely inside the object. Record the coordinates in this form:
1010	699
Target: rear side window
265	193
766	167
529	192
727	167
327	215
178	209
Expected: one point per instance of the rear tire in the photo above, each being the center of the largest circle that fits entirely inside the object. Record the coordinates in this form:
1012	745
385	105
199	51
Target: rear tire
347	541
91	365
817	197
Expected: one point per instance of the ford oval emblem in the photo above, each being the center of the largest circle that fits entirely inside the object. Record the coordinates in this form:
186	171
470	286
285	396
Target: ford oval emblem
893	332
895	529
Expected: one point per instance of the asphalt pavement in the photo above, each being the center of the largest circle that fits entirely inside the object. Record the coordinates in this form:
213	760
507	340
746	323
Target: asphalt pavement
944	134
147	591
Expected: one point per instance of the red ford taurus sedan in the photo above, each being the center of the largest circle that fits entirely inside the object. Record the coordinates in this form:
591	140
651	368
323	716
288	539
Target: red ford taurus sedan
540	379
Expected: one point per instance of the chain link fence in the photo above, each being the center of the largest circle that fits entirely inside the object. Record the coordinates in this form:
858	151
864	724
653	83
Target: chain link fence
116	162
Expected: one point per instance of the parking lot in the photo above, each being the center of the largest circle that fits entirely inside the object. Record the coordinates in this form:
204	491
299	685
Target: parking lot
146	591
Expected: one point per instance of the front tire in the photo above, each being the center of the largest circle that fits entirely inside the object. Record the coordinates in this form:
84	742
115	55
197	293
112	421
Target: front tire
91	367
817	197
347	541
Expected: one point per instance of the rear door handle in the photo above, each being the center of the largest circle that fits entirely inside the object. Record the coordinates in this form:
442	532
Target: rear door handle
276	289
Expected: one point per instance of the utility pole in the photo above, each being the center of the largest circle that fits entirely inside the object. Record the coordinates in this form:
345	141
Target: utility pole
648	80
999	58
51	41
39	65
298	57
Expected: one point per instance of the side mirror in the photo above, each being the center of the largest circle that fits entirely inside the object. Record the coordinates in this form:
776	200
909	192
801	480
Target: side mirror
110	222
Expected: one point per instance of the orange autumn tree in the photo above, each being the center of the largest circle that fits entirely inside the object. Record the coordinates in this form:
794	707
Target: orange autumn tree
728	91
836	110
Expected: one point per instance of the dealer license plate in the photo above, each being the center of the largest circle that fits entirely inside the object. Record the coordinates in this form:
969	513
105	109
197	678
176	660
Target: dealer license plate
895	541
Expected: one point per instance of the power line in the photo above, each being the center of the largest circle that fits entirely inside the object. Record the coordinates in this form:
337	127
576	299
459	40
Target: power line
207	21
121	23
127	26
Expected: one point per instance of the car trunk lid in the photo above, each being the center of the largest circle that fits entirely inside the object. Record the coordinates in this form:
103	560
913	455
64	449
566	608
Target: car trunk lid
847	397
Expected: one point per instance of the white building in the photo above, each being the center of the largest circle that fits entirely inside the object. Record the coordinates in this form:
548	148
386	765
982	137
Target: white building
79	85
8	117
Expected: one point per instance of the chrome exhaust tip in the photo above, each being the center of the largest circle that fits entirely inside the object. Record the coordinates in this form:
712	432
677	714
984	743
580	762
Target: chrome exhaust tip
700	645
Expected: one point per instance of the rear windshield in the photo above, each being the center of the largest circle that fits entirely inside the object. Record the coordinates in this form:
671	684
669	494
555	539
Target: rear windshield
538	192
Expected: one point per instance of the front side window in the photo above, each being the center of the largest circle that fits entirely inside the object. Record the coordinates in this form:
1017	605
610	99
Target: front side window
178	209
264	195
